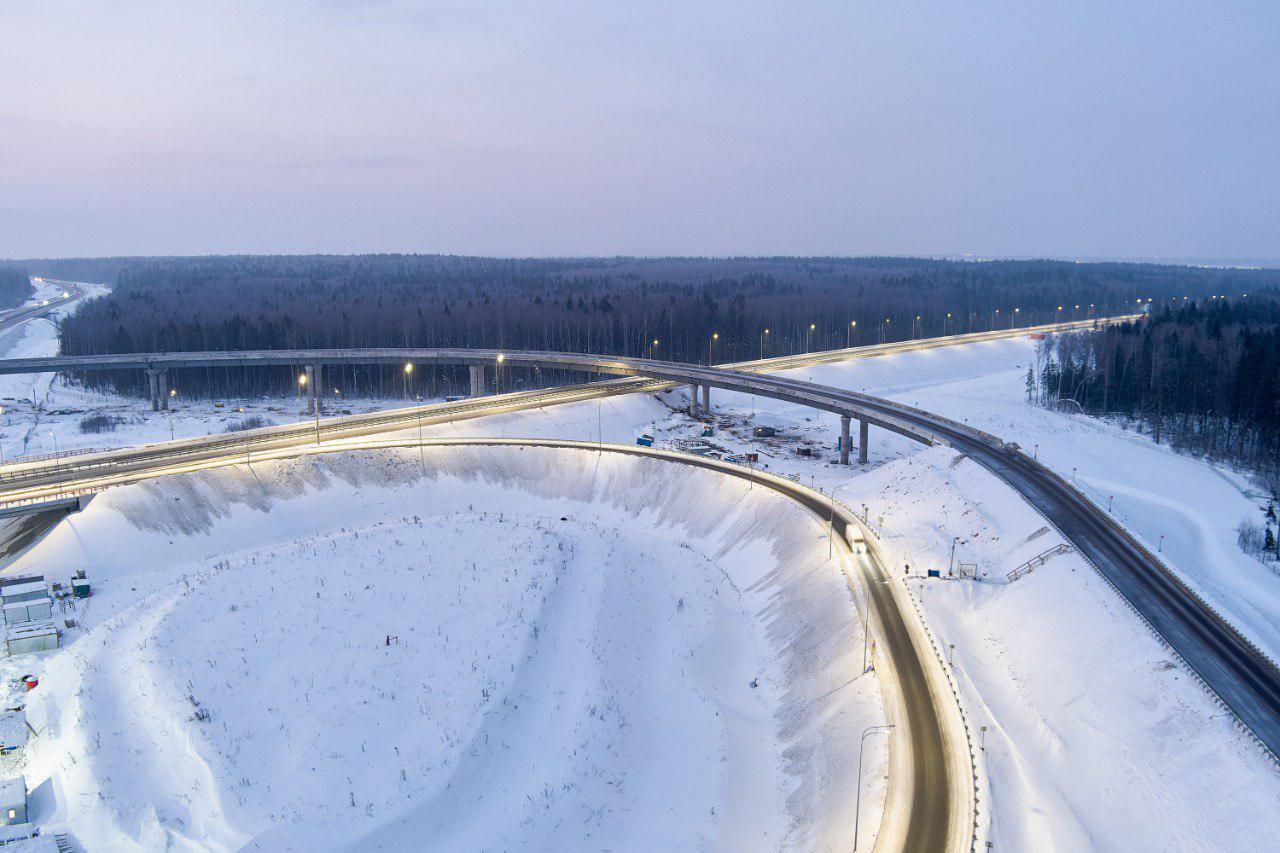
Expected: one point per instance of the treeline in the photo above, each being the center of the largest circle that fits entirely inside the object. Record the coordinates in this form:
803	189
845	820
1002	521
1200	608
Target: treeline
1203	376
15	286
695	308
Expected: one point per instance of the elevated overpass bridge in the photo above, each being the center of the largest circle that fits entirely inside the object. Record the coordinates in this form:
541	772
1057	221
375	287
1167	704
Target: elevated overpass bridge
311	363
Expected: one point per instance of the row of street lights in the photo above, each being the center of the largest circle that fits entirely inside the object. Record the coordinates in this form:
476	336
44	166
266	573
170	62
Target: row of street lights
917	328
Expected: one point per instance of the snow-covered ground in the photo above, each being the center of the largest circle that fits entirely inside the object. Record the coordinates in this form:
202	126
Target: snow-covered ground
1088	717
1184	509
1088	720
480	649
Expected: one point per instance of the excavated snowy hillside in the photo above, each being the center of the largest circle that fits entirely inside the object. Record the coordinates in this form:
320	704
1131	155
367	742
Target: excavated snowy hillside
477	648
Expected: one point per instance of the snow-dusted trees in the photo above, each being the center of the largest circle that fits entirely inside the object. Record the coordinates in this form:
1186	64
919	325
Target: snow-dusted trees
1204	377
15	286
611	305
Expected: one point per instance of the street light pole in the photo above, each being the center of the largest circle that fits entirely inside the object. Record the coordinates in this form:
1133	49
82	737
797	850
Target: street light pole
848	336
857	802
762	336
831	522
715	336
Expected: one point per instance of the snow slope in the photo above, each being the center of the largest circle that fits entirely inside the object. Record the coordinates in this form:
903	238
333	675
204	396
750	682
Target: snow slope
575	642
1152	490
1090	721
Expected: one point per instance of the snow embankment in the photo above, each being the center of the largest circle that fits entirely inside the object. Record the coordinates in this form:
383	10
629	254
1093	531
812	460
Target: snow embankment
479	648
1090	720
1185	509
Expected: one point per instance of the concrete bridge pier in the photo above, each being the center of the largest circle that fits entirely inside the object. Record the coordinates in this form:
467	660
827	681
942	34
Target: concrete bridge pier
478	386
844	439
315	379
693	401
158	379
862	441
706	399
153	383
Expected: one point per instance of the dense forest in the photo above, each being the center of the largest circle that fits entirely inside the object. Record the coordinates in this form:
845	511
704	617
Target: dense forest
15	286
696	309
1203	376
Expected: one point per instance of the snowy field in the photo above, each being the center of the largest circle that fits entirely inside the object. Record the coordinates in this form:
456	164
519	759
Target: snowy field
1183	509
1089	717
490	649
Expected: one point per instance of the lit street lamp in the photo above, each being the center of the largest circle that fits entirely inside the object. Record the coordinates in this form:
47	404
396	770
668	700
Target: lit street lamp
848	337
715	336
408	373
831	521
762	337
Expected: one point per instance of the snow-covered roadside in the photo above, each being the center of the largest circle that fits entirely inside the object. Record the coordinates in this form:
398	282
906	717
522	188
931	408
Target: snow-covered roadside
1089	719
552	683
25	423
1184	509
1090	716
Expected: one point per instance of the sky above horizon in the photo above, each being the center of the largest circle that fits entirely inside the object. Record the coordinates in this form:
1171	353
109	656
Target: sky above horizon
1073	129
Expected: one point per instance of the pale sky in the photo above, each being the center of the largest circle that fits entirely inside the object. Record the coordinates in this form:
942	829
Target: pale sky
1072	129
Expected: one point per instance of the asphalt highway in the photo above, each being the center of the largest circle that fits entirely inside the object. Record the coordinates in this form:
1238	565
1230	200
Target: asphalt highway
18	316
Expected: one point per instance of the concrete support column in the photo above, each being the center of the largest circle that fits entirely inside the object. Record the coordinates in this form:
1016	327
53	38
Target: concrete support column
153	381
706	399
693	401
478	387
315	380
162	379
862	442
844	439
